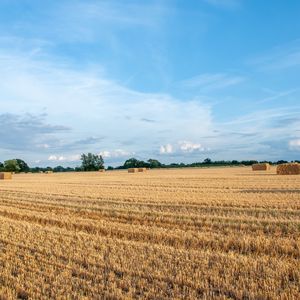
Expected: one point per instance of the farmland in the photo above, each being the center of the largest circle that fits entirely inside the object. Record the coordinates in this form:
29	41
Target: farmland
221	233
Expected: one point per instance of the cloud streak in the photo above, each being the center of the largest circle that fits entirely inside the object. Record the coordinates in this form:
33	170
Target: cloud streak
208	82
228	4
26	132
282	57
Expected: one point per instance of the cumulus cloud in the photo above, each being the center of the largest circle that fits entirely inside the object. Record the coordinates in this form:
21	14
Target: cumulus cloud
166	149
116	153
70	158
186	146
182	147
294	144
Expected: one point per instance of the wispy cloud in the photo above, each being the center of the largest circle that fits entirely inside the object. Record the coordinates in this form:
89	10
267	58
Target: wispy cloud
207	82
83	71
228	4
26	132
257	134
279	58
90	21
278	95
118	13
59	90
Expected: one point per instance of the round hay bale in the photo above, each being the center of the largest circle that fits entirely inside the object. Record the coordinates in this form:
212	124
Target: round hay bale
261	167
288	169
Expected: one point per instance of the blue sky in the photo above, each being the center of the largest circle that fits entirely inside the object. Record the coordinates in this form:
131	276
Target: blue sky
173	80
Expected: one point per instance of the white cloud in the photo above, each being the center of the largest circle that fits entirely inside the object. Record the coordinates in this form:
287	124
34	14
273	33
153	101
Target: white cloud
116	153
58	158
294	144
91	105
52	158
182	147
166	149
186	146
114	111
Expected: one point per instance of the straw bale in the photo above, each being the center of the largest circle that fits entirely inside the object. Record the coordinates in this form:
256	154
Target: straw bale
5	175
288	169
261	167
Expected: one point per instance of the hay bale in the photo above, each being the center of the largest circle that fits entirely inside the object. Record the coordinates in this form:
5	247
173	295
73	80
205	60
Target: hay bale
48	172
261	167
5	175
102	170
288	169
142	169
133	170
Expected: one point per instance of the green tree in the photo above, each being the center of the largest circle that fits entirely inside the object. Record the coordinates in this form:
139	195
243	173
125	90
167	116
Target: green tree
207	161
154	163
91	162
135	163
131	163
23	165
11	165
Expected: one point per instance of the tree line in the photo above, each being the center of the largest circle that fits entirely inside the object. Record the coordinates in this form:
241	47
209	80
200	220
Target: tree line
89	162
153	163
94	162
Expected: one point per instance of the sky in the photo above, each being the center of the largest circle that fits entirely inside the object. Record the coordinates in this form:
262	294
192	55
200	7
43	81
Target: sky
174	80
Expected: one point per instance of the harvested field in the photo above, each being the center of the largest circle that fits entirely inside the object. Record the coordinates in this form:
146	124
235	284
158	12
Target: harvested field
219	233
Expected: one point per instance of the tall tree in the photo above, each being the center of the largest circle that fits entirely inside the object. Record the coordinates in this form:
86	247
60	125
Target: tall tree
91	162
154	163
131	163
23	165
135	163
11	165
